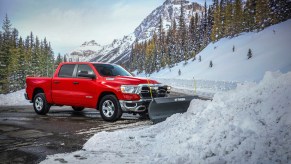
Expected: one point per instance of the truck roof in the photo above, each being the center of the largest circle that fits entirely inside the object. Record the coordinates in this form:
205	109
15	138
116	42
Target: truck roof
84	63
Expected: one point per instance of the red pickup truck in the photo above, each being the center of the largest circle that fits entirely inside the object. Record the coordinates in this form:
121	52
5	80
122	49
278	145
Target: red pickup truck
108	88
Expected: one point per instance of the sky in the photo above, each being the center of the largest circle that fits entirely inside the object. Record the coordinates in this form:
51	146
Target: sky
69	23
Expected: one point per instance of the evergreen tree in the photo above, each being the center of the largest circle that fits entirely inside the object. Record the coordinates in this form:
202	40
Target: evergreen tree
222	17
183	35
262	14
228	25
215	34
249	15
22	64
250	54
58	60
5	55
238	17
65	58
210	64
192	32
14	38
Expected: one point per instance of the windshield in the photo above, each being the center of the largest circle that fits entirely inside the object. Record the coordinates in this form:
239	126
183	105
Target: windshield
111	70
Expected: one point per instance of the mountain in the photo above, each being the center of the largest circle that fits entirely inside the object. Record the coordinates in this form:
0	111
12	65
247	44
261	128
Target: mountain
85	51
119	50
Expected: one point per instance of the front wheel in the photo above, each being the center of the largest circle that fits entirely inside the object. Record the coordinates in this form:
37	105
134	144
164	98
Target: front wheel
109	108
40	104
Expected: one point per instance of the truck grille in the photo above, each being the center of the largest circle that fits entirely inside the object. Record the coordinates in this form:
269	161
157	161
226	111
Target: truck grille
160	91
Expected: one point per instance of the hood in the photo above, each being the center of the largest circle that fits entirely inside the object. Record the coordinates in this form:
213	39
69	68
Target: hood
129	80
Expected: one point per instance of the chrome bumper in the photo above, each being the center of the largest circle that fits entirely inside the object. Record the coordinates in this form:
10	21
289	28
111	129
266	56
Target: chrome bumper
134	106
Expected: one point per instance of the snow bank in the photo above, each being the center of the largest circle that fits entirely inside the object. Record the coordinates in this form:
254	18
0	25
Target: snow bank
203	88
251	124
13	99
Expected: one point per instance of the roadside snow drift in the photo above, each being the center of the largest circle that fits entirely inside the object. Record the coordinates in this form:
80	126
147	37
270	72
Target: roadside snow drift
251	124
13	99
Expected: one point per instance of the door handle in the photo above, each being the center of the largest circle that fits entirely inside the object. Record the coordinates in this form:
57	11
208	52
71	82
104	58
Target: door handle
56	82
75	82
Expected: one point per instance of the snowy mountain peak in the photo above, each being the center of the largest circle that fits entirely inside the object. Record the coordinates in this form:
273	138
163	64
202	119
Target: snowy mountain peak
169	12
90	43
175	2
119	50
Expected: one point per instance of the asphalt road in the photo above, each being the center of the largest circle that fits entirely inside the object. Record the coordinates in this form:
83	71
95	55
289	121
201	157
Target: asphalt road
26	137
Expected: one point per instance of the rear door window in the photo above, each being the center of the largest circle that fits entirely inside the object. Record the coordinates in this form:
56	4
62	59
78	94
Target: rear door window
67	70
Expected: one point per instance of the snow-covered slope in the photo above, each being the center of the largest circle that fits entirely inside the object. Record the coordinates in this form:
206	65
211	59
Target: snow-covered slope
119	50
270	48
250	124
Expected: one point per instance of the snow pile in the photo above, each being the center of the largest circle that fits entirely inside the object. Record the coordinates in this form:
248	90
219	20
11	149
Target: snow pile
270	48
13	99
203	88
250	124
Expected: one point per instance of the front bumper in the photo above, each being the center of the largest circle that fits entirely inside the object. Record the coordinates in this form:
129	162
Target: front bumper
135	106
146	92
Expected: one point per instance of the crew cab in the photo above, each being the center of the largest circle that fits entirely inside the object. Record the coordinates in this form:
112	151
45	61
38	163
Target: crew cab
108	88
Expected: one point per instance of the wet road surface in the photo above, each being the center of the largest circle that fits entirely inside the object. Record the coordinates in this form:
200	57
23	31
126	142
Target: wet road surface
26	137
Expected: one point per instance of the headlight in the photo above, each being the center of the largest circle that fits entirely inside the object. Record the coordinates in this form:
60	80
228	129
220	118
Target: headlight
128	88
169	88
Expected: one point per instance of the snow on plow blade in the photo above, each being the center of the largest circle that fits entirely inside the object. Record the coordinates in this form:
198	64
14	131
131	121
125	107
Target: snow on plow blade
162	108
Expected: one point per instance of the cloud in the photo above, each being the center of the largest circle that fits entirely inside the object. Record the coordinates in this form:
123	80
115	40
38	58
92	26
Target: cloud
67	25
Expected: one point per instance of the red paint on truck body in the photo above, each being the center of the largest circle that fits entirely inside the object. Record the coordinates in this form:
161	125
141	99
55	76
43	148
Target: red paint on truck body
85	92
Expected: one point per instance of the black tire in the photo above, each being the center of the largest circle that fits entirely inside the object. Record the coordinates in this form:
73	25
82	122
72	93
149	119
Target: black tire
109	108
78	109
40	104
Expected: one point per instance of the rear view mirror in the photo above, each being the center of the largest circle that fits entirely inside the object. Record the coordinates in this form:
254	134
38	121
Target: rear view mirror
92	76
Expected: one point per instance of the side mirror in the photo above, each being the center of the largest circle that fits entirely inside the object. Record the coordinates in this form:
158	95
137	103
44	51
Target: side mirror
91	76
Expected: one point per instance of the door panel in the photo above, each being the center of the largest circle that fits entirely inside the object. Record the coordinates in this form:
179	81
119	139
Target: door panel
86	90
62	86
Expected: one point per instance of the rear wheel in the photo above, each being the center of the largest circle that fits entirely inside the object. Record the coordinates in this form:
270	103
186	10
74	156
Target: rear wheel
78	109
40	104
109	108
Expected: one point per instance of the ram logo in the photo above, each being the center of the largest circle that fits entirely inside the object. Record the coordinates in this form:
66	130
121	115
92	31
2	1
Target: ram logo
180	99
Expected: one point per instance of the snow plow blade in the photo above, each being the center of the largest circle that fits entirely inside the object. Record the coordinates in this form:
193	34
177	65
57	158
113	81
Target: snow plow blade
162	108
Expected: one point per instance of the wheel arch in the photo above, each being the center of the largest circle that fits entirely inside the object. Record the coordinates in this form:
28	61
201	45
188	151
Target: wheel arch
36	91
102	95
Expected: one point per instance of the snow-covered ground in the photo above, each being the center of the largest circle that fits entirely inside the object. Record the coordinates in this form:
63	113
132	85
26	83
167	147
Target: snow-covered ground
13	99
250	124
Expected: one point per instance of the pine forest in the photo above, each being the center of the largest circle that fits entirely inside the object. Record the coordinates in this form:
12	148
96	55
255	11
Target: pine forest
21	57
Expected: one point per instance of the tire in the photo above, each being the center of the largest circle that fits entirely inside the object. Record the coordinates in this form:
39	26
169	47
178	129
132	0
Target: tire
109	108
78	109
40	104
